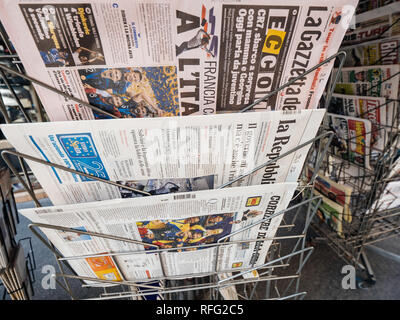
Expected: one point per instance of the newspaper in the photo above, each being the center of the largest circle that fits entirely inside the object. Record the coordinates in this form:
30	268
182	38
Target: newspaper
371	108
376	81
339	193
163	155
382	52
165	58
352	138
179	222
389	199
374	24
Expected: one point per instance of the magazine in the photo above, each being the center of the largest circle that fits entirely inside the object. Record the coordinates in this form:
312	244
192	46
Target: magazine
339	193
331	213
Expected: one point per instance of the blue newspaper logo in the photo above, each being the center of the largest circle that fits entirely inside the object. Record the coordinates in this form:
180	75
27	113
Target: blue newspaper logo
83	154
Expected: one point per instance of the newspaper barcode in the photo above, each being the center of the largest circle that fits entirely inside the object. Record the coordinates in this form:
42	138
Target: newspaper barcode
297	111
48	210
184	196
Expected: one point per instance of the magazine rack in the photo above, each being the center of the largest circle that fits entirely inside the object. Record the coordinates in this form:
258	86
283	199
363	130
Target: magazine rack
11	219
270	282
369	224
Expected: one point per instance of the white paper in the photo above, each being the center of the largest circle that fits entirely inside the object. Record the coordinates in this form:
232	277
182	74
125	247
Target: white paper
170	221
202	153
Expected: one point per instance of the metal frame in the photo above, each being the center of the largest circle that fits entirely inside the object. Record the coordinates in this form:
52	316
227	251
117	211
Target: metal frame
369	224
173	287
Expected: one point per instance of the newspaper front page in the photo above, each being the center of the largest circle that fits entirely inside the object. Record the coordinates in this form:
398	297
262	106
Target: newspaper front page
137	59
352	139
179	222
330	212
339	193
371	108
164	155
375	81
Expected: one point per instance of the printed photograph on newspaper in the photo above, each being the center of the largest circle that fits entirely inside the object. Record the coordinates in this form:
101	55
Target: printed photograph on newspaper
132	92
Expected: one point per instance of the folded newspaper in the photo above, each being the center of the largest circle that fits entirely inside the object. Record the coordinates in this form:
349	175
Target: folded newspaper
147	58
185	225
164	155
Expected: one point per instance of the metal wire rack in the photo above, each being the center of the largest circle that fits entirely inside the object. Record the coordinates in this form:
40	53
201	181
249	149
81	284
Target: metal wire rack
288	247
367	223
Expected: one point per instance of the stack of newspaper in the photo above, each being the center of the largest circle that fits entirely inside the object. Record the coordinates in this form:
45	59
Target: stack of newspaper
151	59
363	112
15	276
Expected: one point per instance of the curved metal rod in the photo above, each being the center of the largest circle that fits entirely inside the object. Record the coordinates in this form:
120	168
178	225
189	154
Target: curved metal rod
287	84
331	133
267	219
189	288
90	233
50	164
11	89
65	95
266	264
207	245
333	84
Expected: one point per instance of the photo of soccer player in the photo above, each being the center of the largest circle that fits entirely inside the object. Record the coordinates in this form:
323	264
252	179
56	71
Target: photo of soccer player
201	39
189	232
55	58
85	56
132	92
